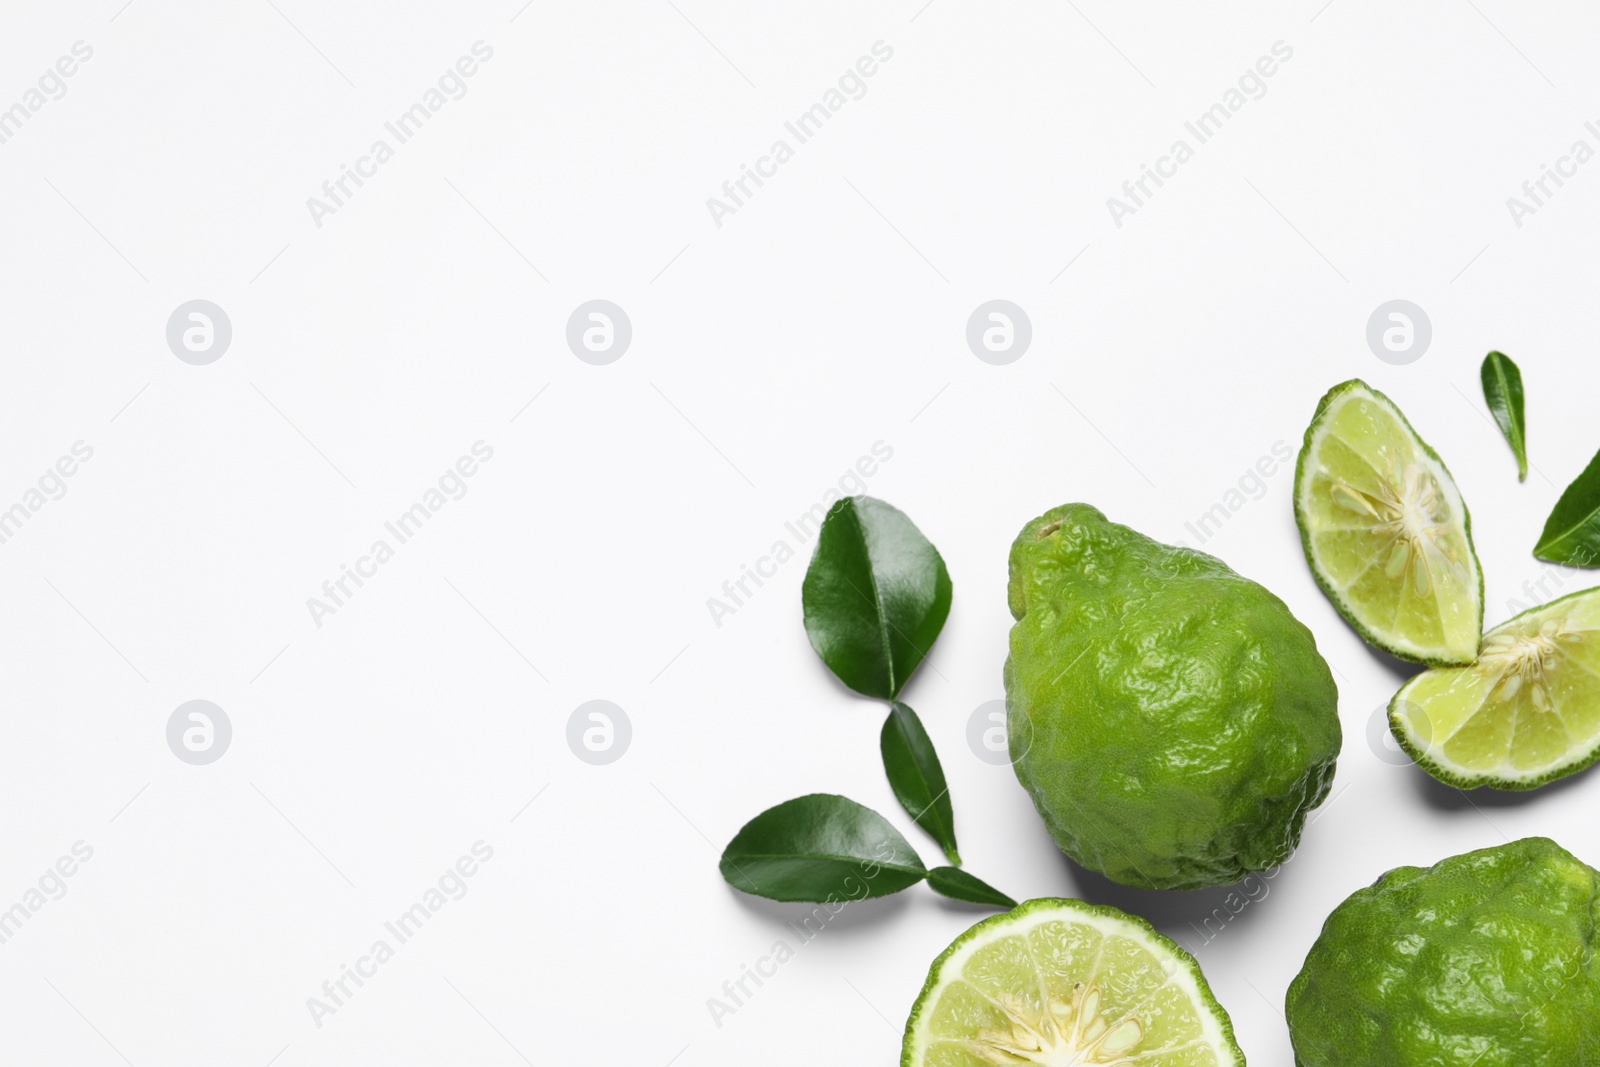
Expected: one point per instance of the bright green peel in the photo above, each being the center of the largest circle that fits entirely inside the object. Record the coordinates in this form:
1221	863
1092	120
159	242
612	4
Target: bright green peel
1483	960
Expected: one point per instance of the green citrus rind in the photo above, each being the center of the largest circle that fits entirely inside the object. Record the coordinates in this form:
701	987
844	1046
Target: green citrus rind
1487	958
915	1042
1400	649
1581	759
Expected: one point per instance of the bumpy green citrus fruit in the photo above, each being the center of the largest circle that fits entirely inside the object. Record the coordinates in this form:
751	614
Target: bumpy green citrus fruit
1061	983
1171	719
1485	959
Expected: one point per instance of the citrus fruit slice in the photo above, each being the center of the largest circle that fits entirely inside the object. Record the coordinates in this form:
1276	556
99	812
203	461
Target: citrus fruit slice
1385	530
1062	983
1527	713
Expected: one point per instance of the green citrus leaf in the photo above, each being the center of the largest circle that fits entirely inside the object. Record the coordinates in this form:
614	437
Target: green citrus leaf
1502	391
820	848
959	885
1572	533
916	777
875	596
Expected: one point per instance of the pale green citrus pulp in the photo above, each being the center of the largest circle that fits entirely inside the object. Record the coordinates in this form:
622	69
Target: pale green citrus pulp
1386	532
1527	713
1061	983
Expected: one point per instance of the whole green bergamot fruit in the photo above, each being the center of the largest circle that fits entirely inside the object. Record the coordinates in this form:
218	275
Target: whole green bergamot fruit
1171	719
1484	959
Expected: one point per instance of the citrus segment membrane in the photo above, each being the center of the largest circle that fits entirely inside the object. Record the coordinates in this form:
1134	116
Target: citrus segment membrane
1062	983
1385	530
1527	713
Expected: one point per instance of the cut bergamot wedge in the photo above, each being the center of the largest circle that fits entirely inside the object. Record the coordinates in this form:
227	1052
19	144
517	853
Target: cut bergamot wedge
1385	530
1527	713
1067	984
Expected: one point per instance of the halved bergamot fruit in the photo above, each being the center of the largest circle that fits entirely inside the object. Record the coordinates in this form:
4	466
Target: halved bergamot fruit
1385	530
1062	983
1527	713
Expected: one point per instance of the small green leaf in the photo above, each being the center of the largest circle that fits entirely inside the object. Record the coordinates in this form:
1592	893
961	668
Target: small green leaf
1572	533
875	596
820	848
916	777
1502	391
959	885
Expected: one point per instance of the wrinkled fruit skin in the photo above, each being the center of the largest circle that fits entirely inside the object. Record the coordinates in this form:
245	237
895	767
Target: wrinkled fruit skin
1171	719
1486	958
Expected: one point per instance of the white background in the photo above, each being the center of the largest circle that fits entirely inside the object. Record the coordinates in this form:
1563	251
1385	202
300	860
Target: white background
768	355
